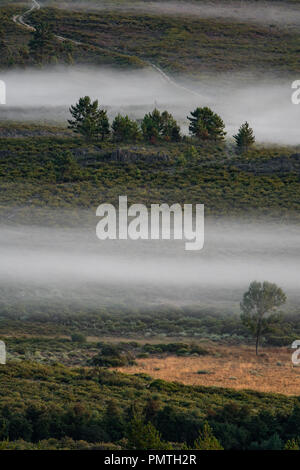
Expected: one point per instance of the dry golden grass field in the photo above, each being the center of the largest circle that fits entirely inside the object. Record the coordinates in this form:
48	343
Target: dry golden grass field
227	366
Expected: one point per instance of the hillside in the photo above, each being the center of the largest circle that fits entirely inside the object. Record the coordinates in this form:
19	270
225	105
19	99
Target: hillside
124	343
180	45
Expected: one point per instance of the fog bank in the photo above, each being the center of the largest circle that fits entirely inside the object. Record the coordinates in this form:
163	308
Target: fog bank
41	263
46	96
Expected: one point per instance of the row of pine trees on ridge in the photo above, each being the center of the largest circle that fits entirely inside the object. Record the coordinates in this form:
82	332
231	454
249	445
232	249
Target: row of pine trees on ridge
92	123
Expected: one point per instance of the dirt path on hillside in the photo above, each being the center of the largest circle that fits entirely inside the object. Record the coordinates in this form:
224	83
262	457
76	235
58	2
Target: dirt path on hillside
20	20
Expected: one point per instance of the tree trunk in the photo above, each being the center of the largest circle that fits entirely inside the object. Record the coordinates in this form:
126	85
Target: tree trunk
257	337
256	346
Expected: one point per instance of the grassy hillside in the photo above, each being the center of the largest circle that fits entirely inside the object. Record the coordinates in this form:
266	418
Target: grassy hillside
179	45
15	51
182	44
63	172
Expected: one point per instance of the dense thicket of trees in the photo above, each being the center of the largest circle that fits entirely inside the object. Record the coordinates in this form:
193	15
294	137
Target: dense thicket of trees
155	426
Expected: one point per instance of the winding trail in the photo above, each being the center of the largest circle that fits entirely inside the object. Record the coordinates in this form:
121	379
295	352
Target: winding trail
20	20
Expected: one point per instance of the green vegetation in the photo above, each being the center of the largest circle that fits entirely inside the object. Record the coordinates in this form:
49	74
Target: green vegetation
244	138
55	406
206	125
259	300
179	45
78	338
206	440
125	129
158	126
92	124
44	320
89	120
292	444
42	44
63	172
20	47
79	352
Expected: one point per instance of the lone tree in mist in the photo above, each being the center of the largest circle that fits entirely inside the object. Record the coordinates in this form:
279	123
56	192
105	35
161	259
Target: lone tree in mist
206	125
261	299
244	138
89	120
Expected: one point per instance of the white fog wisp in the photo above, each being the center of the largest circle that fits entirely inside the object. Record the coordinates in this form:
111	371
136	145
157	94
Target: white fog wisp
47	95
234	255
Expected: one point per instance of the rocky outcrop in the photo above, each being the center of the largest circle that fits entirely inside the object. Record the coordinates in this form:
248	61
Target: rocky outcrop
133	155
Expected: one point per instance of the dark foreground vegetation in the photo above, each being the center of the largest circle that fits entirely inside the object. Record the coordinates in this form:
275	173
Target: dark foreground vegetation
58	407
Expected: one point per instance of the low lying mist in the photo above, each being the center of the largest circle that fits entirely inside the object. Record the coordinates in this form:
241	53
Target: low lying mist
71	265
46	96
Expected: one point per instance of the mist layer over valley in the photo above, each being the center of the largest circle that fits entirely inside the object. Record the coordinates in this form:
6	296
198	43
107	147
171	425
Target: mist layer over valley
46	96
177	65
41	265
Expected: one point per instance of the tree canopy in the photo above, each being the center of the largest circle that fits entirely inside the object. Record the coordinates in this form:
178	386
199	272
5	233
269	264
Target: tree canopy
260	299
160	126
89	120
206	125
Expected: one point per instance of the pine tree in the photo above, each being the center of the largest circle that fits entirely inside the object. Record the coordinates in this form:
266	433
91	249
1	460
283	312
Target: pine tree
152	126
160	126
143	436
206	440
206	125
124	129
89	121
244	138
170	129
292	444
